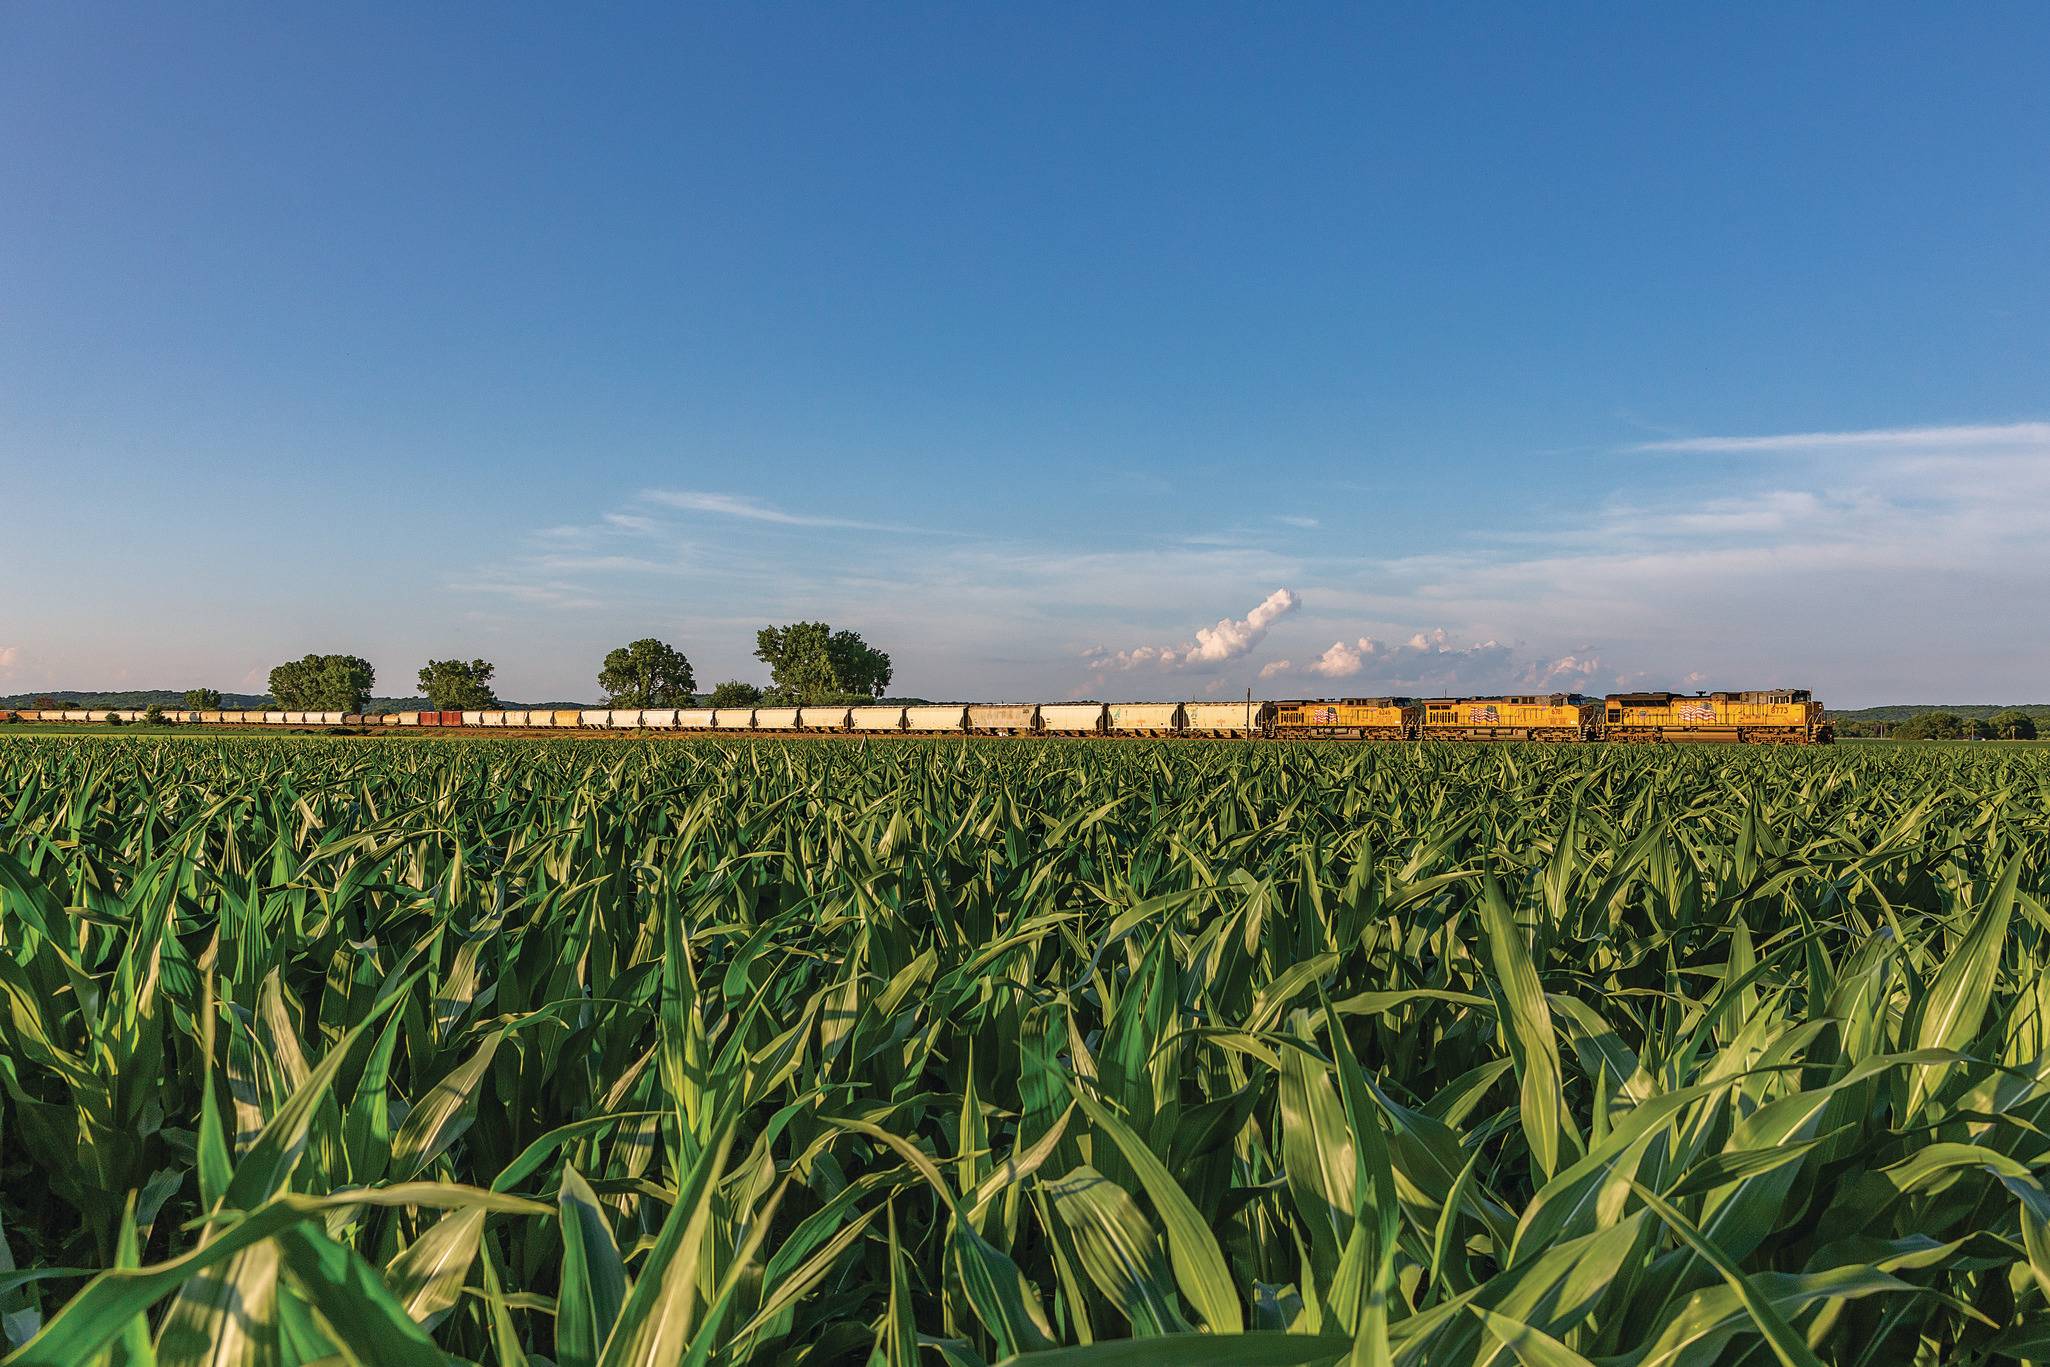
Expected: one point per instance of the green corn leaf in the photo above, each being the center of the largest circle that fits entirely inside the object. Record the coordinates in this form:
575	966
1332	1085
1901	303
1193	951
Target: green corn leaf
1531	1347
351	1303
654	1323
212	1279
1532	1042
897	1337
1956	1002
1787	1346
427	1278
1119	1249
1317	1149
268	1165
1199	1265
593	1278
441	1117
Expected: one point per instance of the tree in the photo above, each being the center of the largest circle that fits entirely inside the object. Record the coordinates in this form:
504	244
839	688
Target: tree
322	683
209	700
153	715
1931	726
647	673
860	667
734	693
451	685
2012	724
810	662
114	719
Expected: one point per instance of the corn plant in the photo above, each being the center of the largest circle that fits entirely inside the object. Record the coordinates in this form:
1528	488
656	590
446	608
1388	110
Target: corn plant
720	1051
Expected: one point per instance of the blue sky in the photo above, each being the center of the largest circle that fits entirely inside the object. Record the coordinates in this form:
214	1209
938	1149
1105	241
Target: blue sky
1061	350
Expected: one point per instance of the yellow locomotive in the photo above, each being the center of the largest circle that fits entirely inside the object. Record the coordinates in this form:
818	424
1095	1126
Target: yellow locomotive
1353	718
1780	715
1788	715
1547	716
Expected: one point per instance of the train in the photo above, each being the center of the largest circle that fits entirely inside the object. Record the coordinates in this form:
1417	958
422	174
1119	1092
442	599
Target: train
1773	716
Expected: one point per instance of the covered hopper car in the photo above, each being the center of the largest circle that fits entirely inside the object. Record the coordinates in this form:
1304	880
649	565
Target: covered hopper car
1227	718
929	720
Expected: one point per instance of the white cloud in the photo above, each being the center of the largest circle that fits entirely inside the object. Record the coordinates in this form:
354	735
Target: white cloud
1233	637
1230	639
1427	660
1341	661
1296	520
1274	667
1567	674
10	659
1973	436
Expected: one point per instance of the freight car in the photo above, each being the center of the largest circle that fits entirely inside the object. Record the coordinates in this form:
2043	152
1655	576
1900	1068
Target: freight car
1143	719
1227	719
1071	719
1004	719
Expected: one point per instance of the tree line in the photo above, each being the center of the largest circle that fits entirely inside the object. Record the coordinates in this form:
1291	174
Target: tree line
2008	724
809	663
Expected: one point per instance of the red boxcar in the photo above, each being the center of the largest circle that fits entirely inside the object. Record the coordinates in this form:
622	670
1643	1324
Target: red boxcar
454	718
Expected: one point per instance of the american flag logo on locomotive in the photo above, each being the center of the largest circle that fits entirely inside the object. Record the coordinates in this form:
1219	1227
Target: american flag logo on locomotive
1696	711
1484	716
1322	716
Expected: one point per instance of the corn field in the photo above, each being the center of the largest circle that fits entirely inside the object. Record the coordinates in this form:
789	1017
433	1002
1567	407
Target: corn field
588	1052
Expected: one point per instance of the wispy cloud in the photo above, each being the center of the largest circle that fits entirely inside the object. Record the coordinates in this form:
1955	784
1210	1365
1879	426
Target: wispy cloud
1296	520
608	564
756	510
1864	563
1977	437
1789	569
529	591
